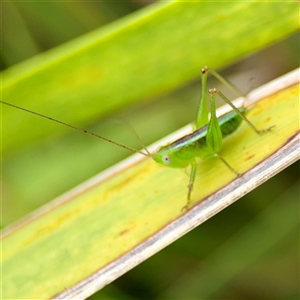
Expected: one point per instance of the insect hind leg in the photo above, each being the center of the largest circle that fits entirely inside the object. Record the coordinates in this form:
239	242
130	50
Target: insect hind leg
226	100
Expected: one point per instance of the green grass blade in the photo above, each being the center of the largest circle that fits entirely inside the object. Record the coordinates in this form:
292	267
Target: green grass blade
138	57
146	54
83	236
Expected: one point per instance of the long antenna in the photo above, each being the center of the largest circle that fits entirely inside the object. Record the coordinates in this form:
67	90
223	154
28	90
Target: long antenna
136	135
76	128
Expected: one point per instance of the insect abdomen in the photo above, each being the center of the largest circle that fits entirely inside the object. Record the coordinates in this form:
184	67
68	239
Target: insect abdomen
233	122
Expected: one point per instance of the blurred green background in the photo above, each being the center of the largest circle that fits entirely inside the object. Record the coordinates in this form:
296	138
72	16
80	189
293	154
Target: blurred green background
248	251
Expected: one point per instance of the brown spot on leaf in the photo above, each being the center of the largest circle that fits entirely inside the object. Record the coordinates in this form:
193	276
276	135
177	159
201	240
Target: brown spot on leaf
250	157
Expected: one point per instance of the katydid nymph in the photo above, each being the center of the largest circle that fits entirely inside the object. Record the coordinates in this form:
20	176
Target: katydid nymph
205	142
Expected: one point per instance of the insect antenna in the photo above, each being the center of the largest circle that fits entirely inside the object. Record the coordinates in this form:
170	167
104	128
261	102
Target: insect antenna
129	126
79	129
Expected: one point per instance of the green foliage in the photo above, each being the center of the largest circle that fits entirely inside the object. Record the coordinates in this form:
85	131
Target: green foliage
131	61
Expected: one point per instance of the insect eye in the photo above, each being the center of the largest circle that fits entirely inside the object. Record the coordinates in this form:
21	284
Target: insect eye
166	159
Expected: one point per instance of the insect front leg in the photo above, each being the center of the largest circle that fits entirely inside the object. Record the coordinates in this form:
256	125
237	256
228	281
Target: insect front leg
190	185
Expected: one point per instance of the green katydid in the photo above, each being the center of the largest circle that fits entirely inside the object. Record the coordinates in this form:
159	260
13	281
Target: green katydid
204	142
